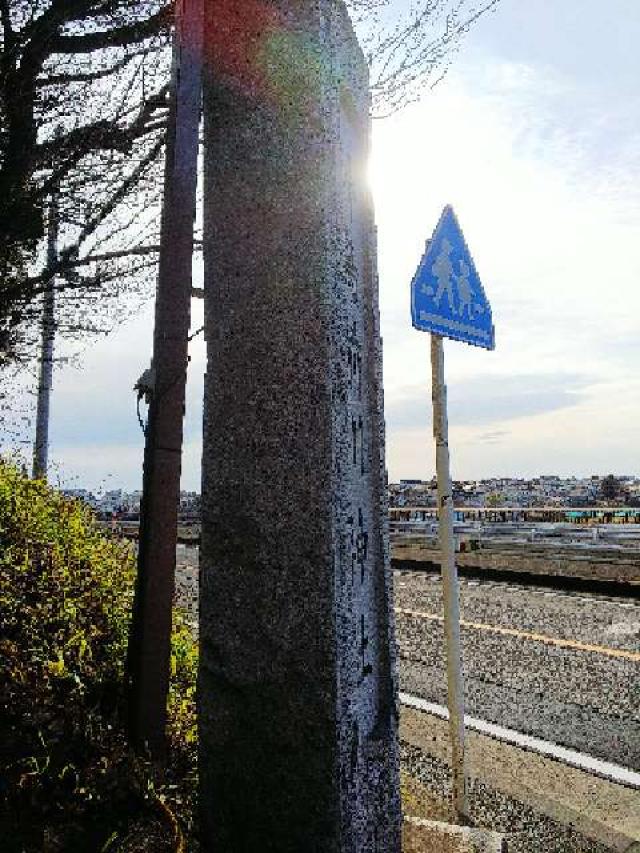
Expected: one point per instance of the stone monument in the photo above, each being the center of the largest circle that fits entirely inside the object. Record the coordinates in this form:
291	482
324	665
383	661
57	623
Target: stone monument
297	683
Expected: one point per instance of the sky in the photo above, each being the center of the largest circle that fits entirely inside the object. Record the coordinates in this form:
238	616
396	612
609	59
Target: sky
534	138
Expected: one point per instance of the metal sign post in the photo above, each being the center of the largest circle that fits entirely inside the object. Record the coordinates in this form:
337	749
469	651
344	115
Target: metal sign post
448	300
450	586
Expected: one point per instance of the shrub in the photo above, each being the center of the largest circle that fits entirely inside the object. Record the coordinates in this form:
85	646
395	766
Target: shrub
66	591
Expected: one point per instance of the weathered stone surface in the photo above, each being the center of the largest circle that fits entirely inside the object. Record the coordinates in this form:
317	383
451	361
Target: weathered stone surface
298	691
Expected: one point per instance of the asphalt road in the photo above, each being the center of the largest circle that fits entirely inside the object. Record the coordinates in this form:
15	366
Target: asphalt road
561	666
564	667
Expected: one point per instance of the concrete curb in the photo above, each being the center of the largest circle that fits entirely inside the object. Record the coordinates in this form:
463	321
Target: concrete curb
599	810
430	836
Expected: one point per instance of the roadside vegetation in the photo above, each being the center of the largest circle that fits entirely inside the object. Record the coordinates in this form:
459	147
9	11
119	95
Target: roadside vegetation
68	780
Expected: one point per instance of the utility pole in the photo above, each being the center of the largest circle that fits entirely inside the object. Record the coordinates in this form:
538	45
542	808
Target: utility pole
41	445
148	660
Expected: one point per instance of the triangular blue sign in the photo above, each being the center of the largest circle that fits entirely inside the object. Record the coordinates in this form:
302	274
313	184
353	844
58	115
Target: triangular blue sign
447	297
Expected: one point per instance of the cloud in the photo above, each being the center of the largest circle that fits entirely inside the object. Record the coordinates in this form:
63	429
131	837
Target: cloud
115	466
540	169
537	147
492	436
480	400
487	400
95	437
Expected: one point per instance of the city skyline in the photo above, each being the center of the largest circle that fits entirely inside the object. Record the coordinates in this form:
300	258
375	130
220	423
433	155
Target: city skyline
547	480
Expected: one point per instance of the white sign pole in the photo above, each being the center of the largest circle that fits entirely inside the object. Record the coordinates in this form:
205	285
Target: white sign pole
449	581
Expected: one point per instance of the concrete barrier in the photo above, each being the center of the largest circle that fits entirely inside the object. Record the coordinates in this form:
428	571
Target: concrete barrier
430	836
555	560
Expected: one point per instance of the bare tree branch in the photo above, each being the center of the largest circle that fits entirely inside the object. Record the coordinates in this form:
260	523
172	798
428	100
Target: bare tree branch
119	37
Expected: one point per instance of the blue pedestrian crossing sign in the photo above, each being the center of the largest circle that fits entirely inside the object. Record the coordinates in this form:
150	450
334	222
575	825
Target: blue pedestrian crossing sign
447	297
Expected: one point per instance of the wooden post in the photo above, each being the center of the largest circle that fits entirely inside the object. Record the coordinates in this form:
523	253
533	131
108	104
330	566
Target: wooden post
148	661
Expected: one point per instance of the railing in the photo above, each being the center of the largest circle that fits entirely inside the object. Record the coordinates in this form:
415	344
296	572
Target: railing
572	515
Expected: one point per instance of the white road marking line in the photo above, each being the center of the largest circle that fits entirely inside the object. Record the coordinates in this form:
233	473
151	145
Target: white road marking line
580	760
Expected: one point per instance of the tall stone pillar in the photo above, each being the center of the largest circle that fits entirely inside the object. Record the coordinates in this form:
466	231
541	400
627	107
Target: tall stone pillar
298	691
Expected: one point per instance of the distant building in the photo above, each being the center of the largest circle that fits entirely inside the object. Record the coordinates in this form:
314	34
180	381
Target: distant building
83	495
546	490
111	501
189	504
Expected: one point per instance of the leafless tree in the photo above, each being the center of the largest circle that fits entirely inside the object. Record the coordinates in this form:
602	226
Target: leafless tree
83	86
409	44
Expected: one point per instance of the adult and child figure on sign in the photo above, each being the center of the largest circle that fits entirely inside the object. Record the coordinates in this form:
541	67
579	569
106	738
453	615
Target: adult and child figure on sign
443	270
